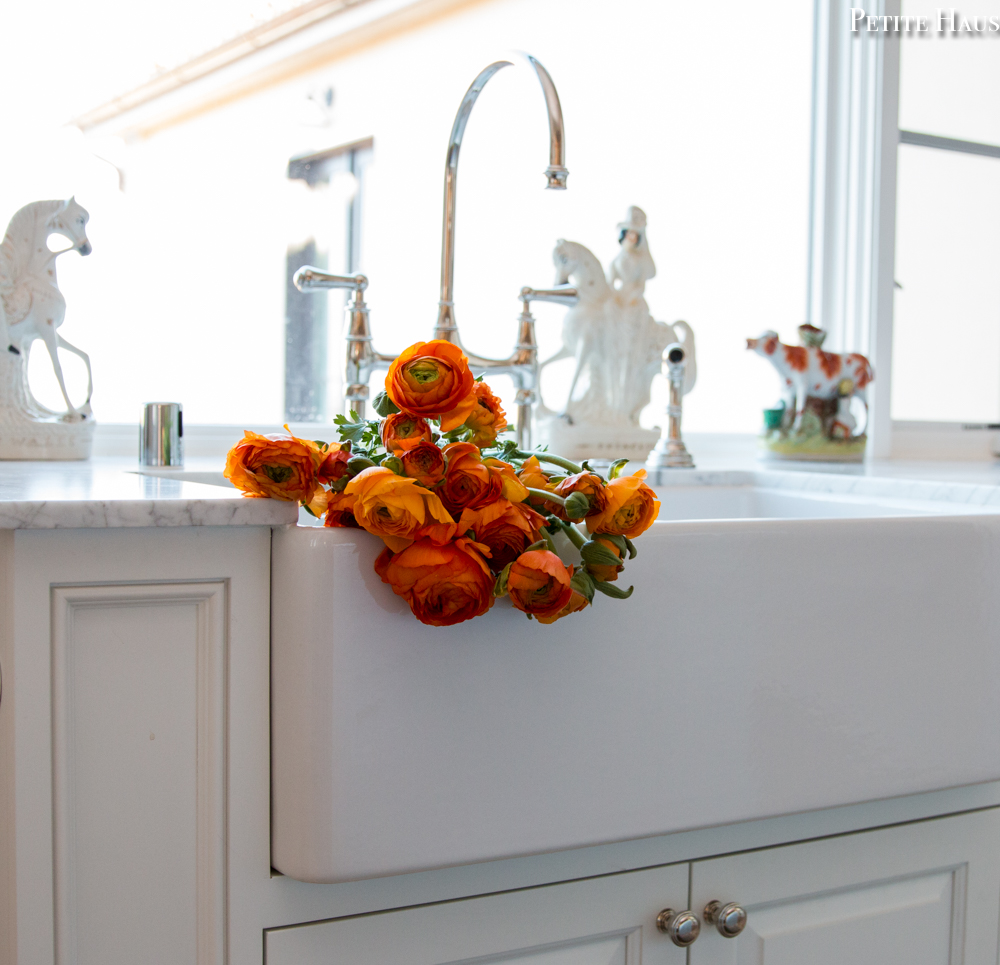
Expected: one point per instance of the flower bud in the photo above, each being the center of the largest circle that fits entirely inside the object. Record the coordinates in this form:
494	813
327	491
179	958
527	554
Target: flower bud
598	554
357	463
577	506
394	463
383	405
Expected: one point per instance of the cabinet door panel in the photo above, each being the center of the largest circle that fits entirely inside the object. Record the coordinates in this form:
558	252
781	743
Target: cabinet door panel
920	894
600	921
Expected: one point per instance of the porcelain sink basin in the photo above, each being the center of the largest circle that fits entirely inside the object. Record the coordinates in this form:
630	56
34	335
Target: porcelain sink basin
787	648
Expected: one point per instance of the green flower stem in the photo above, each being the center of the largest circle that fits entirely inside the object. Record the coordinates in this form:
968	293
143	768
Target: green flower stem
575	536
548	539
546	495
548	457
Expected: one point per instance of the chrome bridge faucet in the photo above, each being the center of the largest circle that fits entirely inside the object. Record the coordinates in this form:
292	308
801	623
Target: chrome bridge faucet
522	364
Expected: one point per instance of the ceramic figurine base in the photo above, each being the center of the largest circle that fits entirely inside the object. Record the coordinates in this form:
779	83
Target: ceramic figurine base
27	430
578	442
817	448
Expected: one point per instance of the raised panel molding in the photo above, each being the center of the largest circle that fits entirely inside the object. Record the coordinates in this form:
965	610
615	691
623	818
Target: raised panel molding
133	664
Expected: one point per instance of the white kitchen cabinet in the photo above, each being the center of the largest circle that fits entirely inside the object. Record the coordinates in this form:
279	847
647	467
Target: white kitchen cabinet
601	921
924	893
918	894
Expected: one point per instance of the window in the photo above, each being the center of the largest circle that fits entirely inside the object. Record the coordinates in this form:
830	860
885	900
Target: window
700	116
946	340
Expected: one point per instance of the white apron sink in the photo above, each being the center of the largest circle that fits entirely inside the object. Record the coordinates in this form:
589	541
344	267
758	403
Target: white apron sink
785	650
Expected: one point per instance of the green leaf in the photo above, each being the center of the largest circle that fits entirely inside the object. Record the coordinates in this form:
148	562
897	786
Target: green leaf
614	591
632	551
500	586
479	378
540	545
620	541
616	468
594	552
583	583
305	506
383	405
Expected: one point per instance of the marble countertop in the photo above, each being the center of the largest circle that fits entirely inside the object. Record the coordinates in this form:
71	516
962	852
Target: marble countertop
106	493
110	492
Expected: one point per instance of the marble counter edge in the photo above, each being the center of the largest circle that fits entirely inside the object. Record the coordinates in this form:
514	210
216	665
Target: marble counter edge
144	513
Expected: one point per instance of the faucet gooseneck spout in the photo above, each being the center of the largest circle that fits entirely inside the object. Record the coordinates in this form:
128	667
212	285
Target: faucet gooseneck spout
555	174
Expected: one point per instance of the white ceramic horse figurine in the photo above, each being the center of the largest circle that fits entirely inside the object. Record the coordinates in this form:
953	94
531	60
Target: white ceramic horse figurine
615	342
31	305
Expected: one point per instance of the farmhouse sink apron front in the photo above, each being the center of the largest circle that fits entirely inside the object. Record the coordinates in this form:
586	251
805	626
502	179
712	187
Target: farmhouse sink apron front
785	650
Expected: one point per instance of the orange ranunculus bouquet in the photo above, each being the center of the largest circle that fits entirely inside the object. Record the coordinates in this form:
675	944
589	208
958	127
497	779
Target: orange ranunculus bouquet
465	517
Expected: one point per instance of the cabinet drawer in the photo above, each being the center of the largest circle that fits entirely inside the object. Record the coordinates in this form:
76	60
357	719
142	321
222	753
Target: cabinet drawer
917	894
600	921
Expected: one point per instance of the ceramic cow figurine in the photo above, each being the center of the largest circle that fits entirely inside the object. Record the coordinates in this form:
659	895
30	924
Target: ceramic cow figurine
807	371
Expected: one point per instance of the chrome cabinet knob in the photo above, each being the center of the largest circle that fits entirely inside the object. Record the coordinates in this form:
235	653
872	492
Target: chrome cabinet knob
729	919
682	927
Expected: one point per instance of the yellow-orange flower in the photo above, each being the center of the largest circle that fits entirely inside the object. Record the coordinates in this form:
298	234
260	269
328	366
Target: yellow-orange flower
506	528
487	418
278	466
467	480
632	507
340	510
510	486
432	380
424	463
402	431
532	477
538	583
397	509
576	603
606	572
443	584
588	483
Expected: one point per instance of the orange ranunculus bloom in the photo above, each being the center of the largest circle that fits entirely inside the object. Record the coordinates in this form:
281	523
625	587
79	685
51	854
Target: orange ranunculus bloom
443	584
588	483
468	482
506	528
402	431
278	466
631	509
577	602
510	486
340	510
334	464
606	573
487	419
397	509
538	583
424	463
432	380
532	477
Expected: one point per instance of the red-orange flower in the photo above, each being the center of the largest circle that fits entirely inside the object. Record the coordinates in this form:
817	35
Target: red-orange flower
334	464
468	482
340	510
506	528
588	483
486	419
576	603
443	584
424	463
538	583
632	507
397	509
278	466
402	431
433	380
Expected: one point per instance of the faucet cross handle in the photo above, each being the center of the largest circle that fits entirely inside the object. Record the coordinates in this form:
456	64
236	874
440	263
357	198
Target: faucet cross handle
361	360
